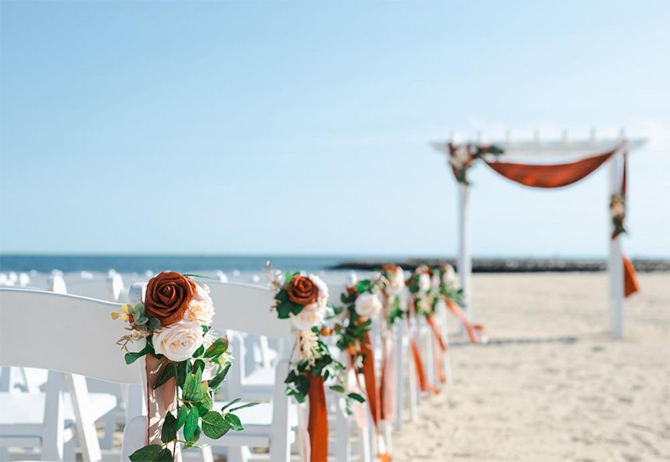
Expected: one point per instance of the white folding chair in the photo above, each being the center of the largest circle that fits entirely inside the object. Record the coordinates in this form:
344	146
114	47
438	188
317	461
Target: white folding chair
246	308
66	335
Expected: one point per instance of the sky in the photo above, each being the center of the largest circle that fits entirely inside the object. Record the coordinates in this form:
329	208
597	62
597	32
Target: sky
303	128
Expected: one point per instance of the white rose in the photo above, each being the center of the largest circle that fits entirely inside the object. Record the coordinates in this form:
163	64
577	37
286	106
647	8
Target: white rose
424	282
367	305
617	209
462	155
396	281
179	341
310	316
201	308
449	278
322	299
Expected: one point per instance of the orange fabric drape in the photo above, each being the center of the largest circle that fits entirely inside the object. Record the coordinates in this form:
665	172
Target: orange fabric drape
469	328
424	385
550	176
318	419
371	389
630	284
440	347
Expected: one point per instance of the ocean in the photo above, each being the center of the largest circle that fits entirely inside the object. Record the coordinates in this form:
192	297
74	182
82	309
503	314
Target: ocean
142	263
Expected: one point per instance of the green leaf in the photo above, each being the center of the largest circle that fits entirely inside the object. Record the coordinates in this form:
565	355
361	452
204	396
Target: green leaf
337	388
168	372
164	456
236	400
169	430
132	357
146	454
205	405
181	416
191	424
183	371
214	425
242	406
234	422
356	397
199	351
220	377
154	324
217	348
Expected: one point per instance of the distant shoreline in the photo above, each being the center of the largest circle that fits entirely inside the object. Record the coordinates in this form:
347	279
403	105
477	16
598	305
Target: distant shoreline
512	265
186	263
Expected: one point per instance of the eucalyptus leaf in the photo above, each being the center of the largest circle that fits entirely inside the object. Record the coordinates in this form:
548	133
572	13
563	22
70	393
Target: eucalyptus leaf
169	430
214	425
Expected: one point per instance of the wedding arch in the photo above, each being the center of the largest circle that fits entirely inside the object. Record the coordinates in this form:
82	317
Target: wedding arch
582	157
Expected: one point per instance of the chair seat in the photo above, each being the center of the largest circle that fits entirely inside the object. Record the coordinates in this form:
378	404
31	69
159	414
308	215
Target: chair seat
259	385
28	409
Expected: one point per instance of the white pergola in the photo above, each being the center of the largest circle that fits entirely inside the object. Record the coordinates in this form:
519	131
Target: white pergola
537	149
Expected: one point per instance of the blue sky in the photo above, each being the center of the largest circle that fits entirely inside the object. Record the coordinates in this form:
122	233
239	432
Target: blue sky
303	128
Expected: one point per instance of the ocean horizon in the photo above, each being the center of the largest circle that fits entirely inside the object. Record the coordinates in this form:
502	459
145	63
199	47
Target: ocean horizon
44	263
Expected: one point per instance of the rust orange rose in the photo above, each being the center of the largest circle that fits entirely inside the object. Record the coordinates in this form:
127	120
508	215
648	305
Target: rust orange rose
302	290
168	296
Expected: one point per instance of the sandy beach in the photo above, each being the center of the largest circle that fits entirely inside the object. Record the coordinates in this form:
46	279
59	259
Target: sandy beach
552	385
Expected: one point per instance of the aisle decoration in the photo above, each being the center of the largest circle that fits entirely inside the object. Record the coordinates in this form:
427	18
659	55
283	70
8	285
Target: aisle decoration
185	365
362	303
420	303
463	156
447	288
304	301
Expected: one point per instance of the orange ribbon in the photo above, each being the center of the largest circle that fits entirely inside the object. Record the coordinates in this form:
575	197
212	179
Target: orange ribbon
469	328
440	345
420	372
371	389
629	278
318	419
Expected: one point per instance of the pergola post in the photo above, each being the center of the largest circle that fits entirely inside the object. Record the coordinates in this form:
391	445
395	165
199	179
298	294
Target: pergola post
464	258
615	266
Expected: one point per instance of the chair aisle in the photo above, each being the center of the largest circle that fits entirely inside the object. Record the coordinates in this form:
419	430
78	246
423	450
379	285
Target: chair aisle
336	367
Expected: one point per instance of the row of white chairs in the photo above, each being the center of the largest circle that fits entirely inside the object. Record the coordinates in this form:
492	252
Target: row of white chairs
258	375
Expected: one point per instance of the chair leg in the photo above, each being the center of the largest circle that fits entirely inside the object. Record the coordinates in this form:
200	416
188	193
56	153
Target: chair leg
342	437
52	440
238	454
86	433
364	441
207	455
280	450
110	422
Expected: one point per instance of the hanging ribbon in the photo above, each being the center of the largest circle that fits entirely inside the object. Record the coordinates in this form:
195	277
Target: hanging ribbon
387	386
439	349
469	328
317	425
159	401
372	395
630	282
424	385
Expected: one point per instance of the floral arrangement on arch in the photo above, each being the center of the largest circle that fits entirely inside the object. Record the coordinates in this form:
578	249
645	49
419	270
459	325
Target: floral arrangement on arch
463	156
618	213
183	359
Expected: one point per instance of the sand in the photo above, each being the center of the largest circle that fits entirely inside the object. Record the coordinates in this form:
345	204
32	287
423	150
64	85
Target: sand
552	385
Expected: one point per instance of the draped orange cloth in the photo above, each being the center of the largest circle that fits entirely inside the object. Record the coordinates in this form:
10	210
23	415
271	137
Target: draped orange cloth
550	176
469	328
371	389
440	348
318	419
629	278
424	385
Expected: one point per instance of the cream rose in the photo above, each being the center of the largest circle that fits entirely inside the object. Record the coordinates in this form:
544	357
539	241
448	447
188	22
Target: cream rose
310	316
396	281
424	282
367	305
201	307
449	278
179	341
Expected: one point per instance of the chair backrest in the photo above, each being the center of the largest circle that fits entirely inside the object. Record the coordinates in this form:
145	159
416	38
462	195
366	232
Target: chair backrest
247	308
66	333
